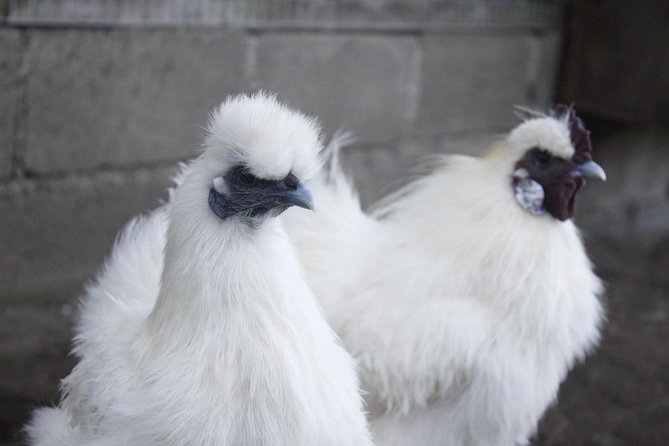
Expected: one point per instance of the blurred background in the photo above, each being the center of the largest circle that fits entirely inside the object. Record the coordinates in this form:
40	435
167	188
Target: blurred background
100	98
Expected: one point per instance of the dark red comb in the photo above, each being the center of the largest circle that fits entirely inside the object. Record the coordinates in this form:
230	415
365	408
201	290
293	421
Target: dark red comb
580	136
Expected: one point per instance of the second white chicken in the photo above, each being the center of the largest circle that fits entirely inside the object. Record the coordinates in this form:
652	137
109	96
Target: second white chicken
466	296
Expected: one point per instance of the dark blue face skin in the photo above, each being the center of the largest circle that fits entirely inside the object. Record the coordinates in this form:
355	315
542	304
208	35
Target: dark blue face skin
250	197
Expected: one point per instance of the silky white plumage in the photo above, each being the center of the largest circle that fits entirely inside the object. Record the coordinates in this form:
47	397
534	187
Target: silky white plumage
464	310
200	330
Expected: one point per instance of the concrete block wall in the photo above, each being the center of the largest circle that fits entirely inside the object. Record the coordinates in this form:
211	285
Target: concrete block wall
95	119
119	98
10	63
633	204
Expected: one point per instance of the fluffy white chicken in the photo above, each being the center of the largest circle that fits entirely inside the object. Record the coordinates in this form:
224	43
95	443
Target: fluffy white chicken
200	330
467	295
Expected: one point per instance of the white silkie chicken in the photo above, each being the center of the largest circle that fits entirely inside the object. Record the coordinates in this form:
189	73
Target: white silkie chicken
200	329
467	295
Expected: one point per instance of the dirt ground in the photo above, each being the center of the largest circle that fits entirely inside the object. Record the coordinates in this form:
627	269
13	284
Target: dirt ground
619	396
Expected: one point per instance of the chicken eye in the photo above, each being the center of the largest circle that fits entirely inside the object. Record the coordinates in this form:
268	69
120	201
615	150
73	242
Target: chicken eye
246	178
541	158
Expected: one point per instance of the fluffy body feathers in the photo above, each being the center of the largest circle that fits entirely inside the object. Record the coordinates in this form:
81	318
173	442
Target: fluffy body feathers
199	330
464	310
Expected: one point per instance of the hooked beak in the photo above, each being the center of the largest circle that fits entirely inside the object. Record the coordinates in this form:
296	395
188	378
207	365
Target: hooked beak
589	169
299	196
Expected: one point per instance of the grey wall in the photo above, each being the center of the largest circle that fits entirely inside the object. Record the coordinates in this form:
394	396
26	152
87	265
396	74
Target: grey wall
94	116
94	119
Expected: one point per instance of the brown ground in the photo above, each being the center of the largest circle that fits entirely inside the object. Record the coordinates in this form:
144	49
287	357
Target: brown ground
620	396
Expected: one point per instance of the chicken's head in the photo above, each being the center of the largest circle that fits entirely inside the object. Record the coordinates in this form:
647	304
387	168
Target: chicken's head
257	154
555	158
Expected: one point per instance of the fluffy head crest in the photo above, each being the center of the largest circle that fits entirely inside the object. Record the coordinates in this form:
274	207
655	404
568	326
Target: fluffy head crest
546	132
269	138
560	132
580	136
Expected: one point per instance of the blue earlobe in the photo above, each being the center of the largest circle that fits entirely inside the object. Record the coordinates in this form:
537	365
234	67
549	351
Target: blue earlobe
530	195
217	204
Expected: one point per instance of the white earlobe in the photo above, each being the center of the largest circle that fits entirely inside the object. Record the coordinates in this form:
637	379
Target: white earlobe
529	193
219	185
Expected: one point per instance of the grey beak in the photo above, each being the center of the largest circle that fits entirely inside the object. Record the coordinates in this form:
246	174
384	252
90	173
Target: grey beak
300	197
590	169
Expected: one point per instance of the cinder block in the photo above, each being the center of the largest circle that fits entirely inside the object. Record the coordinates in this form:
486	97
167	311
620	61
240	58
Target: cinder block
34	358
118	11
543	85
382	168
29	332
54	234
472	144
125	96
363	83
634	201
10	60
470	82
375	170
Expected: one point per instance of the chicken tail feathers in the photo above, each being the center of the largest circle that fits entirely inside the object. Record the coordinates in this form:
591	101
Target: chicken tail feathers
338	211
336	190
339	140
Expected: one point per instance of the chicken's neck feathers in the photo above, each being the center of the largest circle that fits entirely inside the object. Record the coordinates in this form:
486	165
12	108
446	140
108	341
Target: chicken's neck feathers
216	269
